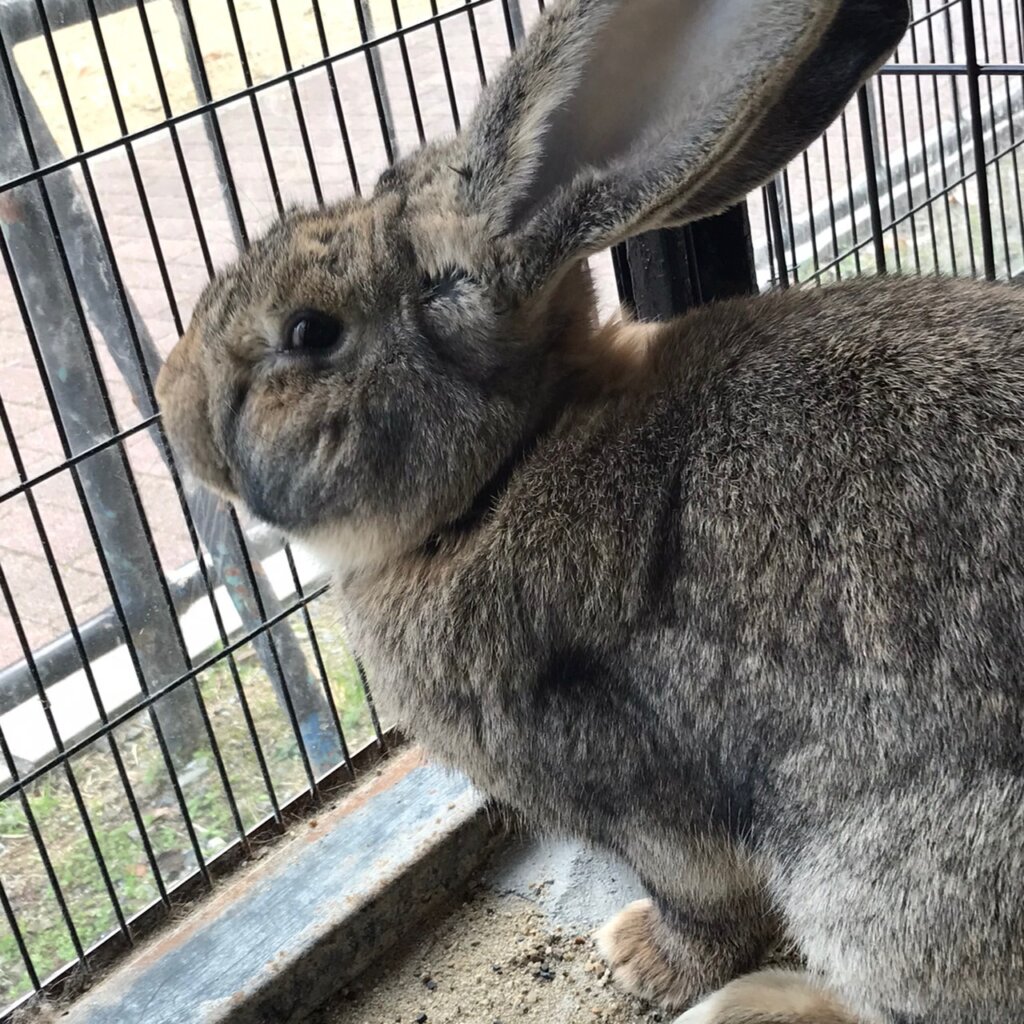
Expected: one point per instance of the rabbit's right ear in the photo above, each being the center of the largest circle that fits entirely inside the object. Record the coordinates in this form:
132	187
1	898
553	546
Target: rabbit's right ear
618	116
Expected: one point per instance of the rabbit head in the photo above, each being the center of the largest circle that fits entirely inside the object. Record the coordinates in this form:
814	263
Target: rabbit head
364	370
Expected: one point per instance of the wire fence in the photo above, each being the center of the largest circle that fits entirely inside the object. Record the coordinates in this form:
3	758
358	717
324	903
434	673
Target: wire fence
893	185
172	682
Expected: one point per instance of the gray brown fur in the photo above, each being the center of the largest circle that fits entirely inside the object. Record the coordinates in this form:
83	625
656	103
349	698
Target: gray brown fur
738	597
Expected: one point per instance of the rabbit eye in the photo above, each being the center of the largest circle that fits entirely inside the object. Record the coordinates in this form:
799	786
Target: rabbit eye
310	331
445	284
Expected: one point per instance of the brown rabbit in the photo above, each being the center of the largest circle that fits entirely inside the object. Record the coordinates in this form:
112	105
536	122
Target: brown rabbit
739	596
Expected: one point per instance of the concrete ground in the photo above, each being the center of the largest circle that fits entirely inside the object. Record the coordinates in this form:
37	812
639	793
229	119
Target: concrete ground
517	949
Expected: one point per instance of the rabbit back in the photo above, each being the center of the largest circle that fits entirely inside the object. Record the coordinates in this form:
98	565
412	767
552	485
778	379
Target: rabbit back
768	601
791	561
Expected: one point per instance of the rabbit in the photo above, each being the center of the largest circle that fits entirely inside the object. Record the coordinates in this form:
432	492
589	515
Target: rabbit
738	596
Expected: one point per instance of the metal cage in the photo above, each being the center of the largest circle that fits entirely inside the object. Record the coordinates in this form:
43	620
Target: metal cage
173	687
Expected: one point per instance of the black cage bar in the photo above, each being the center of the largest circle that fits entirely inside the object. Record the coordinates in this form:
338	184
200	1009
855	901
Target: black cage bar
172	684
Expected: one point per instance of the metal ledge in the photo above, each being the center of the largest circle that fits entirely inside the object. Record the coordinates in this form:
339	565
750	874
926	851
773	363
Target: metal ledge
278	942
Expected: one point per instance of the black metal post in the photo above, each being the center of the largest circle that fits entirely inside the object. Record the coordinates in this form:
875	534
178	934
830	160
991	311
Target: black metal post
978	139
871	169
664	273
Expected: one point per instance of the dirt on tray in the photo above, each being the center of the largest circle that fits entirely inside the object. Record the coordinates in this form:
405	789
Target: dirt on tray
495	960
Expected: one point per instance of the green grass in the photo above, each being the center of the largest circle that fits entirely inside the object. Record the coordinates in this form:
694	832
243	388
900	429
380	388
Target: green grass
53	807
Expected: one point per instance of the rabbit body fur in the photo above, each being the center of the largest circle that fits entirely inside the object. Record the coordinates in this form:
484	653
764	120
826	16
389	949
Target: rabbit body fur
738	597
755	625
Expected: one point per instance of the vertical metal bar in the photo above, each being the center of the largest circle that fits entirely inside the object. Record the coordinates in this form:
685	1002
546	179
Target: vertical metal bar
222	633
870	163
997	168
339	112
403	50
890	187
69	774
378	85
769	246
179	156
850	201
374	718
958	121
314	643
772	195
474	34
145	350
787	206
210	121
907	170
929	207
811	213
442	49
514	27
300	116
254	106
978	138
937	119
286	695
830	192
44	854
1016	176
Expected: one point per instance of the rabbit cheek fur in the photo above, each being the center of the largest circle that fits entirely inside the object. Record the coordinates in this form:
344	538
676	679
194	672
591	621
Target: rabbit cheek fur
365	449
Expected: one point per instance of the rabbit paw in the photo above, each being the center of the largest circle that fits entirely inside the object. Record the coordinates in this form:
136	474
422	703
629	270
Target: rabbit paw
770	996
632	945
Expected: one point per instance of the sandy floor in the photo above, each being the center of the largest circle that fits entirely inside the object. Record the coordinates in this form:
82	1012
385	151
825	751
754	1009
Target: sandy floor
498	958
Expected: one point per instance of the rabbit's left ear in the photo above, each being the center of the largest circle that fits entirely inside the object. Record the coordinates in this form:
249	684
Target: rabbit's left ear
618	116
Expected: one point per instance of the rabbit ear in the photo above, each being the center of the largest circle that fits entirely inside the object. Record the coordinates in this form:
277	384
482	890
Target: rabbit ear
618	116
